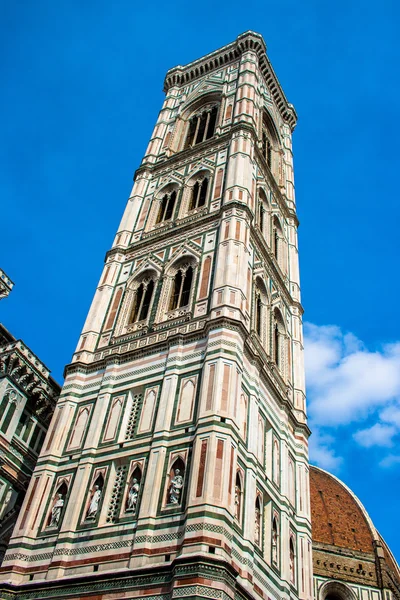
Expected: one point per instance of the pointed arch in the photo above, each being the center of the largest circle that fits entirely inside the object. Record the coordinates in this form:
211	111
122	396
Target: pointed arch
177	294
80	428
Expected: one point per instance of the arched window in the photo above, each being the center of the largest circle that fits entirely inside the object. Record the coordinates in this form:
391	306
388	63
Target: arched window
199	194
258	313
267	147
166	208
270	141
143	296
202	126
182	284
278	342
260	309
275	542
263	215
278	240
257	522
292	561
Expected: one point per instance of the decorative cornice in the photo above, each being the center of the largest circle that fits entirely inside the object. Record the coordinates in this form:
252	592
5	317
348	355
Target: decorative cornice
250	40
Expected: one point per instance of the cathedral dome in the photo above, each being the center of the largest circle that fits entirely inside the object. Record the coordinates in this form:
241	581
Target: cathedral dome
346	544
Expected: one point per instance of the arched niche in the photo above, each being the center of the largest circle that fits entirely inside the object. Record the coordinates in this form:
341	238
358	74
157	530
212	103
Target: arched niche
176	482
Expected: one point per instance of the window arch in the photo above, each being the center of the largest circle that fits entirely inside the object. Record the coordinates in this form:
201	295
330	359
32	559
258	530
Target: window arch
270	143
202	125
263	215
199	194
279	341
143	296
260	309
196	193
181	287
163	206
166	207
278	241
177	292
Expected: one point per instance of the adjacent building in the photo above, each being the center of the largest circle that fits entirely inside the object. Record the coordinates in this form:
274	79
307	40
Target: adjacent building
28	396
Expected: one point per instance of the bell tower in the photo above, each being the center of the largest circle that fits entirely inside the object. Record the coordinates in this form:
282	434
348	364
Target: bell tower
176	463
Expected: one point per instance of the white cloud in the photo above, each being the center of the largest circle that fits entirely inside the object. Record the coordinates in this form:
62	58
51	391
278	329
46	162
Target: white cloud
345	381
348	386
377	435
390	461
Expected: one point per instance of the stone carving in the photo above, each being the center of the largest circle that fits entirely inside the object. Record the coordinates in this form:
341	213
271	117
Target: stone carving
237	502
257	526
94	503
274	546
175	488
131	502
56	511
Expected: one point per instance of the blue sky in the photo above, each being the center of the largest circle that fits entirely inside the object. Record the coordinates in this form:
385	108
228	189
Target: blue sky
81	90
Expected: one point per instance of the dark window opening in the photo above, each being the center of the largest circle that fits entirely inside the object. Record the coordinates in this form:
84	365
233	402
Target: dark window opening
166	207
258	314
276	344
22	422
261	217
199	194
202	127
267	149
144	294
181	288
276	244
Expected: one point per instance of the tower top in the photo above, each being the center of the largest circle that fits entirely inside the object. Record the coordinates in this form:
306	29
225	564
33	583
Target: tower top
6	285
245	42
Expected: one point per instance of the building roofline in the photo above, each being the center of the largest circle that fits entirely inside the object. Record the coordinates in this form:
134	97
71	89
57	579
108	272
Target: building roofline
249	40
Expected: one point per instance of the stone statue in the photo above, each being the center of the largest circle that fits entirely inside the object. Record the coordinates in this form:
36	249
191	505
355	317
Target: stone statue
175	488
56	511
274	547
237	502
257	526
133	496
94	503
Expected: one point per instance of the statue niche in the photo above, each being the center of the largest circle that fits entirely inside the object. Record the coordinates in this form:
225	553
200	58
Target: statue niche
95	499
132	499
176	479
54	518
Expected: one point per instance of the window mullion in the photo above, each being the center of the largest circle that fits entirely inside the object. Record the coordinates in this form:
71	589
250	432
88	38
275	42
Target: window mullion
197	130
207	125
141	302
181	290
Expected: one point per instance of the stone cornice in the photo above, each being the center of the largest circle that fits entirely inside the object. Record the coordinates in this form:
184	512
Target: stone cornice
276	385
182	75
